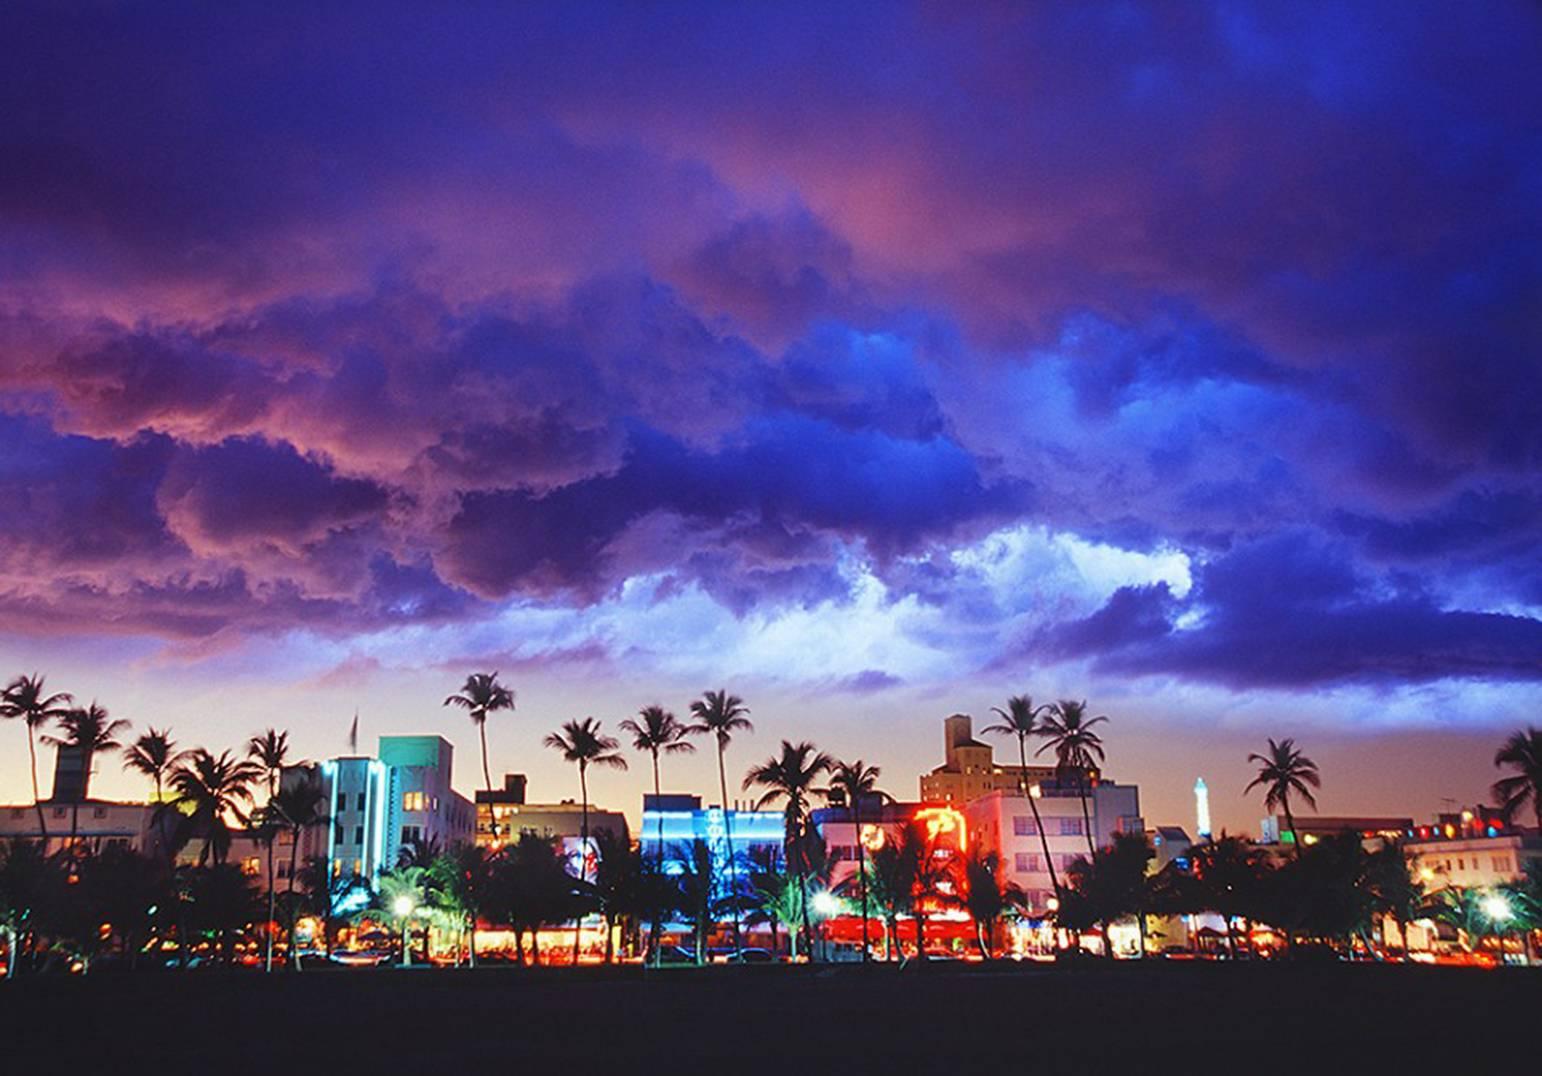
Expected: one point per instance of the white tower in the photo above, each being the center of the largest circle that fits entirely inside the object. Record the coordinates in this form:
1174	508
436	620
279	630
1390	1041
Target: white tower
1202	807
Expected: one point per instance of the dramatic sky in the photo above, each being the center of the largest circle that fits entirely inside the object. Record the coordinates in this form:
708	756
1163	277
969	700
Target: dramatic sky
875	361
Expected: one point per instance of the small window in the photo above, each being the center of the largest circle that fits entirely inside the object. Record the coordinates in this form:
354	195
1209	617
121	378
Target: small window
1070	827
361	801
358	834
339	835
1022	826
251	866
412	801
99	812
59	812
1027	863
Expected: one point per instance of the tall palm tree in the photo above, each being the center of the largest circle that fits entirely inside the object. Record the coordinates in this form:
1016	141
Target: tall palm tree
298	805
721	715
851	783
91	731
1283	771
789	777
210	788
270	751
582	743
480	696
657	731
1068	732
985	897
153	754
1523	753
25	698
1021	720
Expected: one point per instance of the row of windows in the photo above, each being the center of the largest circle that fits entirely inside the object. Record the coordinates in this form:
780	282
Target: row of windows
1023	826
1500	864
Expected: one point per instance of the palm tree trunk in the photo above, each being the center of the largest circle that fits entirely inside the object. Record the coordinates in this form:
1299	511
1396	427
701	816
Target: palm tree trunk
979	937
655	928
294	855
487	775
728	836
272	905
583	856
920	917
1038	822
37	802
1290	823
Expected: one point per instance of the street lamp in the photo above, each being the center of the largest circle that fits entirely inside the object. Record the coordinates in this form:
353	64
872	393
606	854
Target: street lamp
1496	907
404	906
1036	790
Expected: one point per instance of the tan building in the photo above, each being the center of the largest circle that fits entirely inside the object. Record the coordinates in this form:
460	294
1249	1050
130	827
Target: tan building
969	769
503	816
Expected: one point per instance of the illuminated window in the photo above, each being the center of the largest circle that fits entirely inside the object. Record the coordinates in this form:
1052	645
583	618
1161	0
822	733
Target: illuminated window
251	866
413	801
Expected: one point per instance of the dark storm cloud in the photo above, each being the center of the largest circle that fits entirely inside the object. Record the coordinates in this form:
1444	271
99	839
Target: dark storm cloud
1289	612
332	315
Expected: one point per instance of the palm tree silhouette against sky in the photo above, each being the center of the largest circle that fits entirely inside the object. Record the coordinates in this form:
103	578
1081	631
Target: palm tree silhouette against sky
851	783
1284	772
657	731
209	789
270	750
1067	731
153	754
298	805
1522	752
91	731
721	715
789	778
582	743
1021	720
480	696
25	698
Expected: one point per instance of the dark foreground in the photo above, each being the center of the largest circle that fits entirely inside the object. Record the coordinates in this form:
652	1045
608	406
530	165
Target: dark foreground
736	1021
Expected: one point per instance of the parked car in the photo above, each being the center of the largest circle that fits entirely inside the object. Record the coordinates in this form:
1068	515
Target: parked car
751	956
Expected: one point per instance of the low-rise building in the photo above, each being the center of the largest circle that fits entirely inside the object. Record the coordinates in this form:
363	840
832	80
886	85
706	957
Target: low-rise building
673	823
1005	823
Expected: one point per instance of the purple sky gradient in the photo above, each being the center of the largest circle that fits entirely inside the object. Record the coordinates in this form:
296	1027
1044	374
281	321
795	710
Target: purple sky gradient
1181	357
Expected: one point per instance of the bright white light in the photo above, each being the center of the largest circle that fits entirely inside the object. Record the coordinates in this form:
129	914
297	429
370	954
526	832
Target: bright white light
1036	790
1202	807
1496	907
404	906
826	903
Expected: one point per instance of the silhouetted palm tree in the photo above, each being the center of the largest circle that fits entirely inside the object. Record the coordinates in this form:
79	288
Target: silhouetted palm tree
892	881
90	731
789	778
582	743
1523	753
270	750
721	715
986	898
1078	750
1021	720
480	696
656	730
851	783
208	789
1283	771
300	804
25	698
153	754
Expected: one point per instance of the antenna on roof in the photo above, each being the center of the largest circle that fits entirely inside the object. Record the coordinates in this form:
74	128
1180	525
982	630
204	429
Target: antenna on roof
353	734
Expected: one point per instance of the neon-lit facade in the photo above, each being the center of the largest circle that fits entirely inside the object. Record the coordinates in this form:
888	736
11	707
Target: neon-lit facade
679	821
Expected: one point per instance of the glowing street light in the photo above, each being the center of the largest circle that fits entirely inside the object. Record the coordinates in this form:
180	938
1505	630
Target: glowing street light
825	904
1496	907
1036	790
404	906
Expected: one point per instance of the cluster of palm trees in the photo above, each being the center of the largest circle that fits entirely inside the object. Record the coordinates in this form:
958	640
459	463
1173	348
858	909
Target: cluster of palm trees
1326	891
